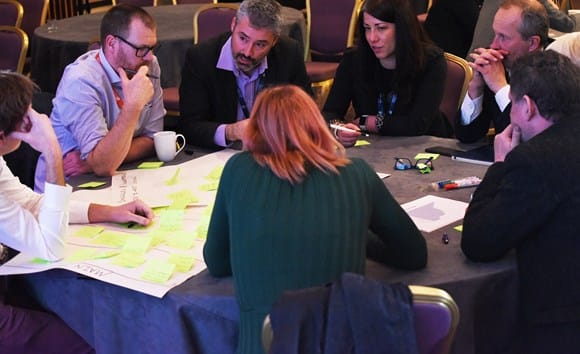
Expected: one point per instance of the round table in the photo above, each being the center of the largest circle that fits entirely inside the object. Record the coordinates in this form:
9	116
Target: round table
55	47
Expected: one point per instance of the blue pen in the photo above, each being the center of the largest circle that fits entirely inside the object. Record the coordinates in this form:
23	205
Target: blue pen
441	184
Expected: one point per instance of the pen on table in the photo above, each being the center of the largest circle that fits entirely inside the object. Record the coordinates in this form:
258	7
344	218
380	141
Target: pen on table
345	129
133	72
445	238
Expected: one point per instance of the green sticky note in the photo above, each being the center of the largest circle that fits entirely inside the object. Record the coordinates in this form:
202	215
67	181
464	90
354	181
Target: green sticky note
183	262
458	228
89	231
150	165
86	254
137	245
181	199
425	155
112	239
129	260
211	186
171	220
40	261
180	239
93	184
362	143
158	271
201	230
157	237
216	173
174	179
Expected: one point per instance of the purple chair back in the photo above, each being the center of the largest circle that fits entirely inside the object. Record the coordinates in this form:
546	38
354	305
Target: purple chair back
14	44
136	2
330	26
35	13
458	76
11	12
436	318
212	19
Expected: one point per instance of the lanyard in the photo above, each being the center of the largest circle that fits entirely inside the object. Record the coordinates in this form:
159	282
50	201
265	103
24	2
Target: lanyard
241	99
118	98
381	104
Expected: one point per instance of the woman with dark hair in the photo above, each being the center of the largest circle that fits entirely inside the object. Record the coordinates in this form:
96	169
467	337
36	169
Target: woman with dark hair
394	78
293	212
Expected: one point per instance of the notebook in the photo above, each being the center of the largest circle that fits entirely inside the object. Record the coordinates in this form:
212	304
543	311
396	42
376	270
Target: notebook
482	155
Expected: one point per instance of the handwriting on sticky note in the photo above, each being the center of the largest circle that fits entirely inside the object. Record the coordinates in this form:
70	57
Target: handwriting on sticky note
361	142
89	231
93	184
181	239
183	262
128	260
158	271
150	165
137	244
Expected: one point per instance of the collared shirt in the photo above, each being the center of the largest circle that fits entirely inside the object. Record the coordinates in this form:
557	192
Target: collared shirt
471	108
85	107
247	85
34	223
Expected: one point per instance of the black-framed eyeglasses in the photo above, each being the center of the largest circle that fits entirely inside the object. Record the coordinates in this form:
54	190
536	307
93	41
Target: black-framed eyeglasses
140	52
424	165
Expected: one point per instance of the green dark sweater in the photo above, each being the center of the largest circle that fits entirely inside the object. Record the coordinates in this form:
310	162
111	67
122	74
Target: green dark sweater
275	236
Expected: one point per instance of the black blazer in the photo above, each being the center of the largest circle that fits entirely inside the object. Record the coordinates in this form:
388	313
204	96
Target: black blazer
208	95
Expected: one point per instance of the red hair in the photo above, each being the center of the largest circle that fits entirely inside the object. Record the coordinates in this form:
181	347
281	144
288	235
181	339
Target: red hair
287	133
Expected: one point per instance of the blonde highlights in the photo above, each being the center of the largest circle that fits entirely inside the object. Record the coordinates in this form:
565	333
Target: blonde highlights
287	133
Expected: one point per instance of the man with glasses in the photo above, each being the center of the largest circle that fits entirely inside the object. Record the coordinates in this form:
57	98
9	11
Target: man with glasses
529	201
109	101
222	76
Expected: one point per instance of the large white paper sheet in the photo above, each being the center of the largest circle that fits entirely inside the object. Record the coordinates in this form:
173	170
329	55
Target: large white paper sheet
150	186
430	213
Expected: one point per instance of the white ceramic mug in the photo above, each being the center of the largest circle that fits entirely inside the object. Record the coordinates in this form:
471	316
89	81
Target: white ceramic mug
166	145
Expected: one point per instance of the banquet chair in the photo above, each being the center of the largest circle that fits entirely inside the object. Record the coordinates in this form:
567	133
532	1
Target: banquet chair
14	44
59	9
330	30
436	317
177	2
35	14
136	2
11	12
459	75
208	21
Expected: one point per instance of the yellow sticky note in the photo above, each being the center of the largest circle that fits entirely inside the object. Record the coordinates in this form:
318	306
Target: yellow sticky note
174	179
150	165
183	262
93	184
181	199
171	220
129	260
158	271
201	230
112	239
180	239
216	173
137	244
40	261
362	143
426	155
89	231
157	237
211	186
458	228
86	254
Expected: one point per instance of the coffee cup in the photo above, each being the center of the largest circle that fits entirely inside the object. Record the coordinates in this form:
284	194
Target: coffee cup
166	145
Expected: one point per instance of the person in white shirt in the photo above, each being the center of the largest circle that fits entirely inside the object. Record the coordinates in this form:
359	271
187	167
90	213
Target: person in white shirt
36	224
520	27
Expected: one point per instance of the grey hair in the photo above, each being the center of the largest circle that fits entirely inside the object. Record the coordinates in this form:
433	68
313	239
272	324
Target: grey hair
262	14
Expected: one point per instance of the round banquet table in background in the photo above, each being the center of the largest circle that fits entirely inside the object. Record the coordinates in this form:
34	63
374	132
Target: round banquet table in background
53	50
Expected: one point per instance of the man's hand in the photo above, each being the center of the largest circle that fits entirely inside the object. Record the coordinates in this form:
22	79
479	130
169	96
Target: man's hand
506	141
137	91
74	165
489	69
37	131
135	211
236	131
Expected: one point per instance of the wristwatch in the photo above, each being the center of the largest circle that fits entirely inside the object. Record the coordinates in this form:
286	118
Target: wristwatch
362	122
